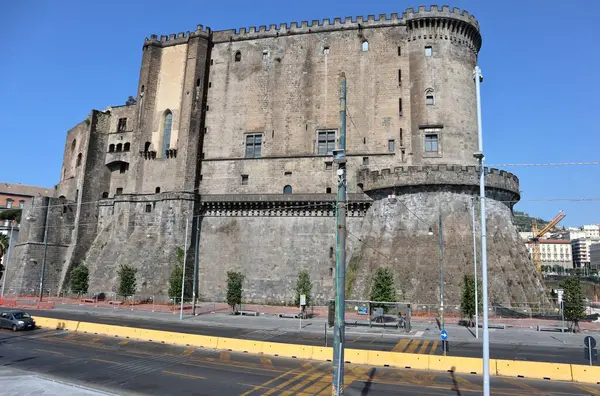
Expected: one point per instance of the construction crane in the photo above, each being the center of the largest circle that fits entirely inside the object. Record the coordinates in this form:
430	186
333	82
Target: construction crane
536	235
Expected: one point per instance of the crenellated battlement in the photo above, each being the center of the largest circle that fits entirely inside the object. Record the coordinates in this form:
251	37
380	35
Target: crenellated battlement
406	176
179	38
409	16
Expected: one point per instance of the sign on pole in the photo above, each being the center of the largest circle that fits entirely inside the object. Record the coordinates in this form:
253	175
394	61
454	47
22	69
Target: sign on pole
302	300
444	335
560	293
590	352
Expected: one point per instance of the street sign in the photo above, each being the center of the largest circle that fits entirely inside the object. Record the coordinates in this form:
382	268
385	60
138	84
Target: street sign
589	342
560	293
444	335
302	299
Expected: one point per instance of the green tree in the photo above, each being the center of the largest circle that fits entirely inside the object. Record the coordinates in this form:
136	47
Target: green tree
11	214
467	301
383	288
303	286
176	277
127	281
80	278
573	306
130	101
235	281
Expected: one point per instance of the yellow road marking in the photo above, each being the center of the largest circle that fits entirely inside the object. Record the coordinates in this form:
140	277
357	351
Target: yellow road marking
434	347
423	347
317	386
46	350
124	342
265	361
295	378
106	361
293	390
262	386
357	338
589	389
524	386
183	375
412	346
403	343
188	352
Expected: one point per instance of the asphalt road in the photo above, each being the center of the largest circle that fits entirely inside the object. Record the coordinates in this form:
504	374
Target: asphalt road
129	367
553	354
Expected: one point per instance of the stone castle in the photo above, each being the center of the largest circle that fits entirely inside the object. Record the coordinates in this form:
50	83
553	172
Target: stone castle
232	135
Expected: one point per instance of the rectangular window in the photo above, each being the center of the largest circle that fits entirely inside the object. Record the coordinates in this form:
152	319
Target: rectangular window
21	203
253	145
365	160
399	77
244	180
328	165
124	167
265	54
431	143
148	208
400	106
401	138
9	203
391	145
326	142
429	100
325	50
119	190
122	125
428	51
399	51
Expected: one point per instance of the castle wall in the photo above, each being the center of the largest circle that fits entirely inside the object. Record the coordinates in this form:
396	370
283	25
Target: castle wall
71	170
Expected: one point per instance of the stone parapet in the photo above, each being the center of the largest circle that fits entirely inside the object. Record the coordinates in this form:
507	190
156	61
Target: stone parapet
456	175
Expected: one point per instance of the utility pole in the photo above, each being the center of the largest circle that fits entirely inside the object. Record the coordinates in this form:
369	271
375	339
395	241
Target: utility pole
441	235
475	268
339	157
479	155
45	250
187	219
10	240
195	285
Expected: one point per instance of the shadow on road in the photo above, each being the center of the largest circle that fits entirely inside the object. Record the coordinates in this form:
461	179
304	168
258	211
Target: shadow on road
455	386
367	387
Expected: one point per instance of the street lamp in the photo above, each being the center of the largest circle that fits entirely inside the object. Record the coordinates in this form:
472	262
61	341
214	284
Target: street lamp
441	248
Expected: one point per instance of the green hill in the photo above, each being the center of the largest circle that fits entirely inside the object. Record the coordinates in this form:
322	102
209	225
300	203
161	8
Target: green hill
523	221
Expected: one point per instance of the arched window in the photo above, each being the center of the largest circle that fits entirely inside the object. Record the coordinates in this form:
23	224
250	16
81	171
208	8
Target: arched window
157	190
238	56
365	45
147	147
167	124
73	144
119	148
287	189
111	148
126	146
429	98
79	159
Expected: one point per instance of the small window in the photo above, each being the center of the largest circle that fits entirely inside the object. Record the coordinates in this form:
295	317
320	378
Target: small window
119	190
157	190
119	148
105	194
167	124
124	167
64	209
400	106
287	189
79	156
111	148
210	84
399	77
287	173
365	160
365	46
399	51
431	143
197	82
244	180
328	165
142	90
265	54
122	126
9	203
391	145
428	50
328	190
401	138
326	142
330	251
148	208
330	271
360	186
73	144
429	100
212	61
325	50
146	147
126	146
21	204
238	56
253	145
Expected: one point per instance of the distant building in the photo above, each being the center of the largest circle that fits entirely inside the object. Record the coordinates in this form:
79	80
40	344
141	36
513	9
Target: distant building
554	252
595	256
581	251
586	231
14	196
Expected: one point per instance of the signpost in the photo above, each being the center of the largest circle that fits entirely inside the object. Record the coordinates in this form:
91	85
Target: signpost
444	337
560	293
590	351
302	305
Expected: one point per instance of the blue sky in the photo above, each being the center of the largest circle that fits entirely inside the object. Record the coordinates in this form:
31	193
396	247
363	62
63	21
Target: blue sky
539	59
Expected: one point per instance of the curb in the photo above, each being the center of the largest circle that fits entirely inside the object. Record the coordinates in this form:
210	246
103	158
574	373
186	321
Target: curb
463	365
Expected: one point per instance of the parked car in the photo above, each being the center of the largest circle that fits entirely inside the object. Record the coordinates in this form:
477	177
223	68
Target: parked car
16	320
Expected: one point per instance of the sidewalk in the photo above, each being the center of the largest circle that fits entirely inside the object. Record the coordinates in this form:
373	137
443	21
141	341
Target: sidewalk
21	383
422	328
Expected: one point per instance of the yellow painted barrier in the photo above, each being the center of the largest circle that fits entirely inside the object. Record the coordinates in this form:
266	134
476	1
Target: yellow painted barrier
201	341
52	323
93	328
288	350
237	345
464	365
396	359
322	353
537	370
586	374
355	356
